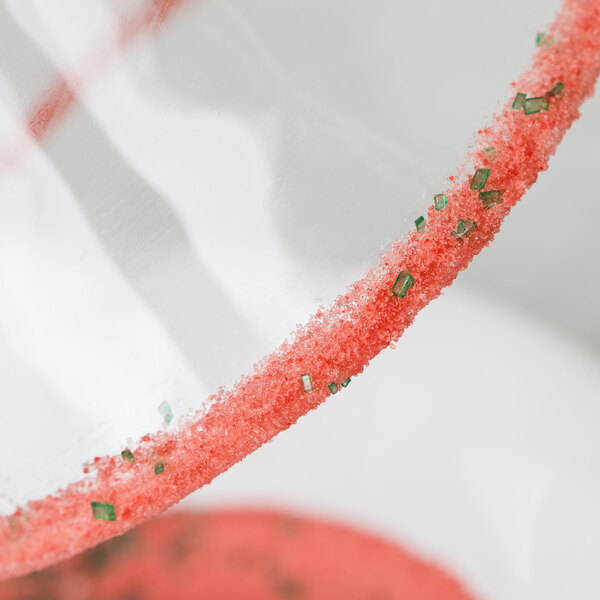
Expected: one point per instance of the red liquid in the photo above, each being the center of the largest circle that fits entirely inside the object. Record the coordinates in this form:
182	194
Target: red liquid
240	555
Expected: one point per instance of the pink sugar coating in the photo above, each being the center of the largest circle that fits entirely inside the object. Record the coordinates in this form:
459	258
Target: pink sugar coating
249	554
337	342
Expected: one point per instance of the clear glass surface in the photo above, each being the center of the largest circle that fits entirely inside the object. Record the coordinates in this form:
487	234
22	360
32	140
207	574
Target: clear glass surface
224	174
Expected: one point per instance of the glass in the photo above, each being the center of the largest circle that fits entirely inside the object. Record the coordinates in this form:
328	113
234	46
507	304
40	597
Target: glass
217	179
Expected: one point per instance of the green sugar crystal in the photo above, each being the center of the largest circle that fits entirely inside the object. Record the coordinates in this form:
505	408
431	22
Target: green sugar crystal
518	101
420	224
166	412
490	198
439	201
159	467
346	382
463	228
333	387
403	283
544	41
127	455
557	89
306	382
103	511
534	105
480	178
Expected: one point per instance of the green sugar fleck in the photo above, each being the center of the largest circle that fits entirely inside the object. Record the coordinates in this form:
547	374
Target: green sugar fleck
439	201
103	511
534	105
166	412
544	41
557	89
480	178
463	228
307	385
518	101
490	198
127	455
403	283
